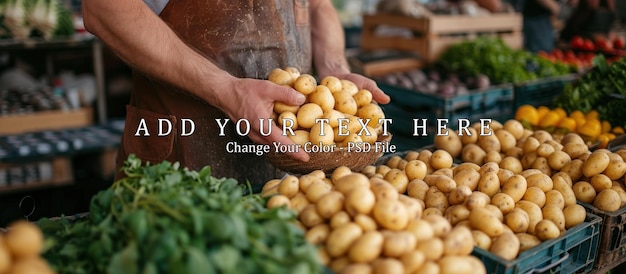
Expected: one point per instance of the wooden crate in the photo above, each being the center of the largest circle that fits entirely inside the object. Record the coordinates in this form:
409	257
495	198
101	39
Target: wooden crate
45	120
432	35
32	175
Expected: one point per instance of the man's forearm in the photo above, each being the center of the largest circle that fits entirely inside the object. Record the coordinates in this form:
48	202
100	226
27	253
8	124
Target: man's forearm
327	39
147	44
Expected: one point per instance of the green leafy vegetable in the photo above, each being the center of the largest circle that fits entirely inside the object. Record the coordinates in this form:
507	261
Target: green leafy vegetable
167	219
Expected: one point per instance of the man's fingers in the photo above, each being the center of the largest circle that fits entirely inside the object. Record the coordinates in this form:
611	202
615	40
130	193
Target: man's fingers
290	97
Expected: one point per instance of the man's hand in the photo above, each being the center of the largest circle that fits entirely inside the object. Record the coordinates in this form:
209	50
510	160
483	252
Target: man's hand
252	100
366	83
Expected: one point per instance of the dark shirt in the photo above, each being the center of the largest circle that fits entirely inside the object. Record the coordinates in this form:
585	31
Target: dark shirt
533	8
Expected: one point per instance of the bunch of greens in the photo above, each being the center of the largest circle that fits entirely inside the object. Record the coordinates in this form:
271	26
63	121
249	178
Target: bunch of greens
166	219
603	88
502	64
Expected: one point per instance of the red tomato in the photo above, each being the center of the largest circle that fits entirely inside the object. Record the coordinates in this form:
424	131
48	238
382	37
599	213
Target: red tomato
558	54
570	55
604	45
588	45
618	43
577	42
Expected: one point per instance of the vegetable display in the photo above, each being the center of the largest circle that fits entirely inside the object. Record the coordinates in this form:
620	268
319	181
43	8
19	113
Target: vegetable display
365	222
603	88
166	219
22	19
502	64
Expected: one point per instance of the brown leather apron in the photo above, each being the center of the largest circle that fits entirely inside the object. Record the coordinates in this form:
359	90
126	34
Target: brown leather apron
247	38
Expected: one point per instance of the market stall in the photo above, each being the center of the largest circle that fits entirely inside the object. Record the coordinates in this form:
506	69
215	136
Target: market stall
488	159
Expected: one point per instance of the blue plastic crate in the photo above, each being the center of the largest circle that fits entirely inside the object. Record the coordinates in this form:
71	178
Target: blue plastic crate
612	244
541	92
572	252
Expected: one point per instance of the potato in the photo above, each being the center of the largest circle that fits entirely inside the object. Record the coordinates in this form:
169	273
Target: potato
338	264
341	238
542	165
412	261
298	202
346	180
607	200
476	200
597	162
489	184
445	184
616	169
340	218
483	220
536	195
601	182
503	201
387	266
278	201
310	217
527	241
415	169
443	171
495	211
540	180
390	214
461	265
545	150
574	214
432	248
569	198
383	189
506	246
280	107
515	187
574	169
546	230
333	83
481	239
417	189
373	112
288	119
441	159
506	138
300	137
555	144
493	156
555	214
562	176
357	268
516	152
458	242
542	135
530	145
362	97
469	178
459	195
317	235
558	159
504	174
511	163
572	138
534	214
440	225
398	179
305	84
307	114
398	243
333	117
280	77
575	150
517	220
367	248
435	198
471	138
584	192
23	240
316	190
456	214
330	203
360	200
528	160
514	127
345	103
531	171
414	207
473	153
489	143
450	143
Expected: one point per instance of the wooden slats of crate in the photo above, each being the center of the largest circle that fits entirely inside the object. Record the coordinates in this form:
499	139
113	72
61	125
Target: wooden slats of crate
432	35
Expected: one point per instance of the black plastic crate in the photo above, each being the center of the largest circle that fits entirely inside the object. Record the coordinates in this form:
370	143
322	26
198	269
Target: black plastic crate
612	244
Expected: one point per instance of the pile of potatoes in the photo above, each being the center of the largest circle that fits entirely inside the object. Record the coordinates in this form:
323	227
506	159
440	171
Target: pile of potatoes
363	224
594	177
333	99
20	249
506	212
